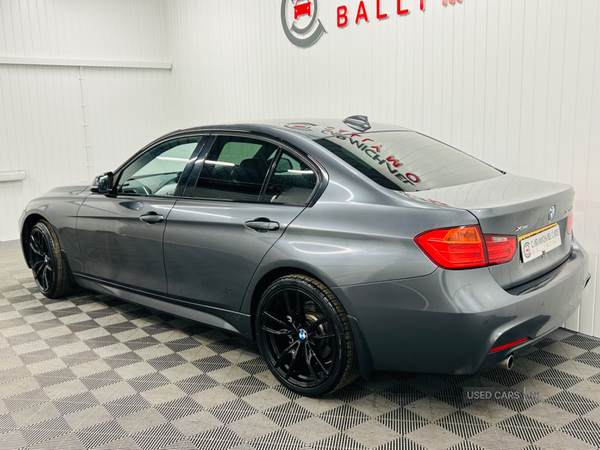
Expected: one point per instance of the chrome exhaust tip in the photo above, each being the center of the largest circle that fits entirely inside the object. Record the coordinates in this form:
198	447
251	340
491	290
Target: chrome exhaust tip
507	363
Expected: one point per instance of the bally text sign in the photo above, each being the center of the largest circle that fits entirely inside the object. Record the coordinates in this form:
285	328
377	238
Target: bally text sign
303	28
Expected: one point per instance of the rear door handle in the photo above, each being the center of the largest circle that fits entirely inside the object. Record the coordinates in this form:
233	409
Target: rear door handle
152	217
262	225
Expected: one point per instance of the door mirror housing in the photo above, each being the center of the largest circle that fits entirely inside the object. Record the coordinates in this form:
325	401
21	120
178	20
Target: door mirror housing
103	184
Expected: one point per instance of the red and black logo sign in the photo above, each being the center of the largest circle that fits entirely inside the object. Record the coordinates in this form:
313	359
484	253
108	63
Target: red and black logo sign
300	22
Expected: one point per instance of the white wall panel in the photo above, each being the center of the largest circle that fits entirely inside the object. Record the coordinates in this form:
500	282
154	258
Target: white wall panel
41	113
40	132
137	111
107	29
513	82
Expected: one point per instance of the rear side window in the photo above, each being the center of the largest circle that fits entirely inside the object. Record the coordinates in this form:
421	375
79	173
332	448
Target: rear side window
407	161
292	182
235	169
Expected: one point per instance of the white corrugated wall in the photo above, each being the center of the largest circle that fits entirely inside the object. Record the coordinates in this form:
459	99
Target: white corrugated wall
515	82
55	120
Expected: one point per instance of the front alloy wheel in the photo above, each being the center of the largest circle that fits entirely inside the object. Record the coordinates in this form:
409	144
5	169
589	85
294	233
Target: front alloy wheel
47	263
305	337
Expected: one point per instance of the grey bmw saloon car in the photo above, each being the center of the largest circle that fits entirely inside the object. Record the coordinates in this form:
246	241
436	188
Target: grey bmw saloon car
341	246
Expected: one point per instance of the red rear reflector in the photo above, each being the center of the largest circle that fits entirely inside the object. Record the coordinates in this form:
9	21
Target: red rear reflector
454	248
465	247
500	249
510	344
570	223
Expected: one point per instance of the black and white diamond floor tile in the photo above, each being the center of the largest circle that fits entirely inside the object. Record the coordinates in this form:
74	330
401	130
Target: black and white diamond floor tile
91	371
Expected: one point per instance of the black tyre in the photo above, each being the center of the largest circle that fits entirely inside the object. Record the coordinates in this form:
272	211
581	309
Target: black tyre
304	336
47	264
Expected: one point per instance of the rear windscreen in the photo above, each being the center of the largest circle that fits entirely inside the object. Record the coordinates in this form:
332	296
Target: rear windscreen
407	161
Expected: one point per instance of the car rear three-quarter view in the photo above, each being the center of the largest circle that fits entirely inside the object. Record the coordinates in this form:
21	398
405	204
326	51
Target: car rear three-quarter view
342	247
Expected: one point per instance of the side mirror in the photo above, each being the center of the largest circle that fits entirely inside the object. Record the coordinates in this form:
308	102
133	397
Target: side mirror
103	184
283	165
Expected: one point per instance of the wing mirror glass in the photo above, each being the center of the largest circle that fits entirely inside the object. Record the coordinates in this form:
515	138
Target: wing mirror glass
283	165
103	184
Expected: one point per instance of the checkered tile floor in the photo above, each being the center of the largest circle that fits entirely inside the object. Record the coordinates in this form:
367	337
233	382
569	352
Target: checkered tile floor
91	371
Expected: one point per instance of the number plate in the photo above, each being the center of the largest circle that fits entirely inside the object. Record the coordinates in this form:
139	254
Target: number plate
537	243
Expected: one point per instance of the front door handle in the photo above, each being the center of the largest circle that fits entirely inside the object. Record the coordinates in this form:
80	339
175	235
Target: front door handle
152	217
262	225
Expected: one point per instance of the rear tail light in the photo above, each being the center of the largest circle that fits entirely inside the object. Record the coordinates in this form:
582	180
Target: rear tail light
454	248
500	249
465	247
570	223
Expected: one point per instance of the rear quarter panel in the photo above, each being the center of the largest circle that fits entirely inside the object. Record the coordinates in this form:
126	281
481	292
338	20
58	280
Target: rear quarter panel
357	235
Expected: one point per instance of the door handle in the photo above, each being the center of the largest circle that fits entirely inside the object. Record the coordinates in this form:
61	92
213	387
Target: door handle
152	217
262	225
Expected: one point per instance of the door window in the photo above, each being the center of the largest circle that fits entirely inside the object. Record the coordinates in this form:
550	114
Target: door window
235	169
292	182
158	170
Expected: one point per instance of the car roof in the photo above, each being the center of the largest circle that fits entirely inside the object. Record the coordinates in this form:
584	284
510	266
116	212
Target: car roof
315	128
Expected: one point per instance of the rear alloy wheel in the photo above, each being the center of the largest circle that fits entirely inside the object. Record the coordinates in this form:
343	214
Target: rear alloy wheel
304	335
46	261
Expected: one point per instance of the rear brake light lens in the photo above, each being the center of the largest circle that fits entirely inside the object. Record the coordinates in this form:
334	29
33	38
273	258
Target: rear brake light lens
570	223
466	247
500	249
454	248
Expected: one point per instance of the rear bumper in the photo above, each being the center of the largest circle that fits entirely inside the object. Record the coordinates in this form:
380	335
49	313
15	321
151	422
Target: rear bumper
448	321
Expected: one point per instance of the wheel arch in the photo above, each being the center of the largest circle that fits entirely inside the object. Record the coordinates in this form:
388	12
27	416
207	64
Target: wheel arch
364	355
28	224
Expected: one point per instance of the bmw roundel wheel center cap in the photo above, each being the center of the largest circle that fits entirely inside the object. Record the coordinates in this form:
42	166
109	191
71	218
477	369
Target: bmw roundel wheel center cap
302	334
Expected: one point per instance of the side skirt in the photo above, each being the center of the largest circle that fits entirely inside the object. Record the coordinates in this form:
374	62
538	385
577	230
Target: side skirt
229	321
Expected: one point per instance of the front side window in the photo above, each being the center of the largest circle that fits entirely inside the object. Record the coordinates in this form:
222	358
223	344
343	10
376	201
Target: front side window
235	169
292	182
158	170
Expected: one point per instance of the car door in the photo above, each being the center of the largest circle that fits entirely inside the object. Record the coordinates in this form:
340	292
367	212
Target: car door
121	234
248	190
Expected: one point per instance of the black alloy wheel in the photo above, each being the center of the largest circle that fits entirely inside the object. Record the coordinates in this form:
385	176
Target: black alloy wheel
305	337
46	261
